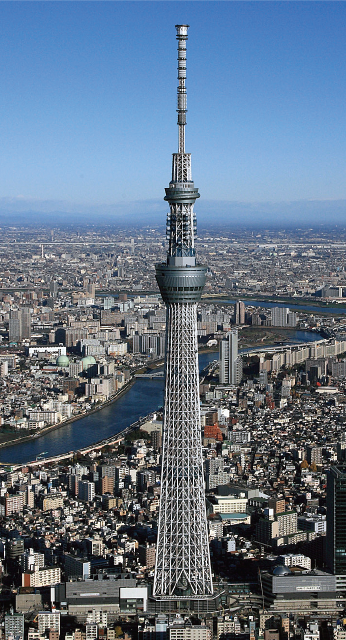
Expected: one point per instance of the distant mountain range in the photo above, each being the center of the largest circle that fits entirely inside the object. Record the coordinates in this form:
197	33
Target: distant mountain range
246	214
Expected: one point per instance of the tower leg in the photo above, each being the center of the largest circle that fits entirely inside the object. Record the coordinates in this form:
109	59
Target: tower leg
183	562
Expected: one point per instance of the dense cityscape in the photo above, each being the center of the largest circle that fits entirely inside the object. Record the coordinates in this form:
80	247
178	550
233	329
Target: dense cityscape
172	404
81	317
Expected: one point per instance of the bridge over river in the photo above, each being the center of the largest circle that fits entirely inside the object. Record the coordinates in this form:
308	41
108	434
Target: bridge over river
156	374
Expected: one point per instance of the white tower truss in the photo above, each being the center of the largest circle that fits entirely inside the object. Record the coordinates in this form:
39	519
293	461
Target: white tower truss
182	570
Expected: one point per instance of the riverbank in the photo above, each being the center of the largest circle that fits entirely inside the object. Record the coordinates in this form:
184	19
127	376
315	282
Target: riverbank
249	337
252	336
143	398
53	427
18	439
219	298
69	455
303	304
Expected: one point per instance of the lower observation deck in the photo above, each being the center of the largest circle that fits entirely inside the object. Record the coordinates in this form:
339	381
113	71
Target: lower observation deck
180	283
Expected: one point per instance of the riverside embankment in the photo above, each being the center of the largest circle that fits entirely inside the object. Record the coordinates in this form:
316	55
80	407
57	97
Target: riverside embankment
144	397
15	440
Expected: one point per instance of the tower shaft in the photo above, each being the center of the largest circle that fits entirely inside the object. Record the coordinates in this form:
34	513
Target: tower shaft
182	567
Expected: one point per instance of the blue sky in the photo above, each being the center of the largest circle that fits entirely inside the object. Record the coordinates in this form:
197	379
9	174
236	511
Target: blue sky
88	99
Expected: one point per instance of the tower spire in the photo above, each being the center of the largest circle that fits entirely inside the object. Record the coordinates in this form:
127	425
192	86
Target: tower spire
182	103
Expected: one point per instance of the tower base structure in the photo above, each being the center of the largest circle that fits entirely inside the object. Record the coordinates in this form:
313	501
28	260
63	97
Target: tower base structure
186	604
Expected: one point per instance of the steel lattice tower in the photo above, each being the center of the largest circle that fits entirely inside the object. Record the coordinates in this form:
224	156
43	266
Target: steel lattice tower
182	568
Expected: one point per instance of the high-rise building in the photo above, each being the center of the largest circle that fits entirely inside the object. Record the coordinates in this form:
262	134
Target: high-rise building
48	620
336	524
156	440
25	323
182	569
152	344
231	364
108	303
19	326
106	485
283	317
239	312
14	326
53	288
314	455
147	554
86	490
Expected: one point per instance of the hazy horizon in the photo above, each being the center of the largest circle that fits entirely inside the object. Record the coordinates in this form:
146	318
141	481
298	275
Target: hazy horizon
302	213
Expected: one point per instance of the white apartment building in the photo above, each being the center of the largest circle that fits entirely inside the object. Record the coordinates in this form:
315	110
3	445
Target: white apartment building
91	631
48	620
287	523
227	504
181	631
31	561
117	349
50	417
295	560
52	502
42	577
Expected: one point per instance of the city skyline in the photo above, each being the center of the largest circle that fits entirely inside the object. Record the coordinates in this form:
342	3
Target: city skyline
83	99
82	327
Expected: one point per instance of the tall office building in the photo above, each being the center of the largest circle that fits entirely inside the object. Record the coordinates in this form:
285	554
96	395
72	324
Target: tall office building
336	524
182	569
25	323
14	326
86	490
231	364
19	326
239	312
53	288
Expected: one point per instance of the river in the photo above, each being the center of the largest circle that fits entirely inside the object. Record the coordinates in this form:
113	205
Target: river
144	397
295	307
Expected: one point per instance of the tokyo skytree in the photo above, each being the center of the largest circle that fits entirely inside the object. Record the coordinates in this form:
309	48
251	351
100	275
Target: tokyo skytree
182	570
